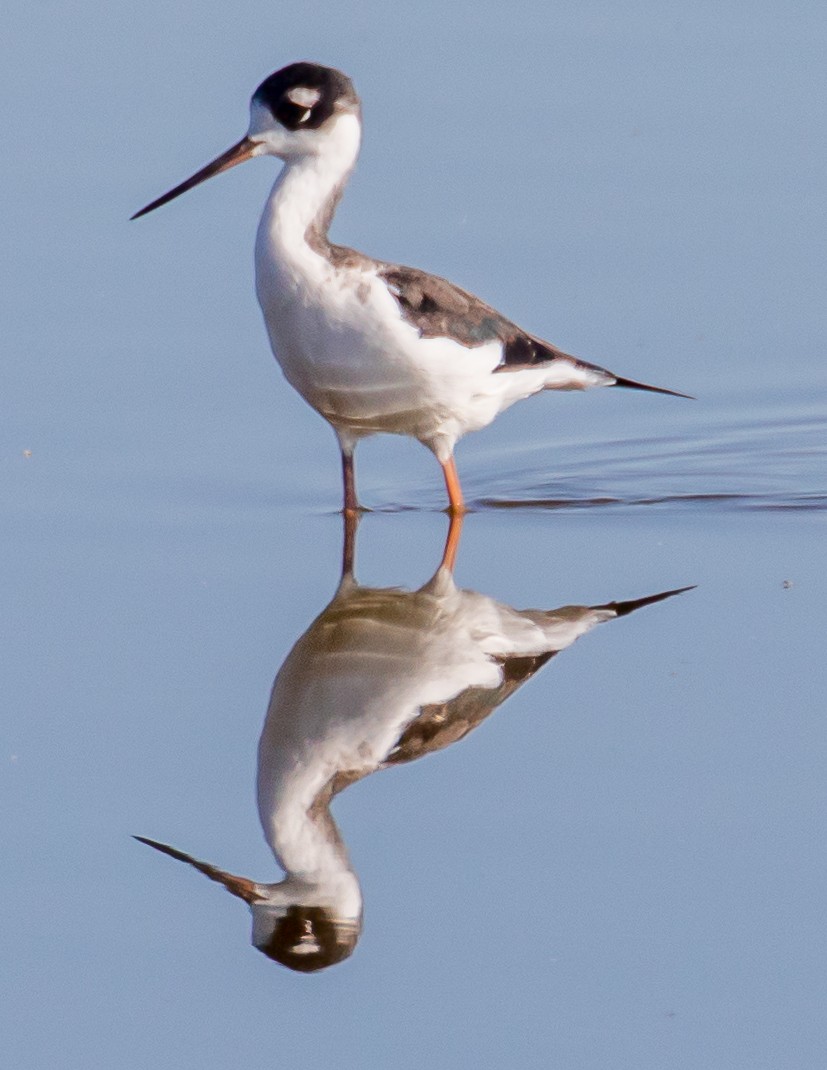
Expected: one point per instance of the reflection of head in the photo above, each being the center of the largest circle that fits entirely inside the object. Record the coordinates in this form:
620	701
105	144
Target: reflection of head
302	924
304	938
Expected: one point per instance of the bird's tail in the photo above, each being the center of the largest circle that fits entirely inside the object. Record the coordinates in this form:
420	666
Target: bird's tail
622	608
632	385
603	377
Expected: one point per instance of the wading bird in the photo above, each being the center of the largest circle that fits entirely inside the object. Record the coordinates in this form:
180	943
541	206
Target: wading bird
382	676
373	346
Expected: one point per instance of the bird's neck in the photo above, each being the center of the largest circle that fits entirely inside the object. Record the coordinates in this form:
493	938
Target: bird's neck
295	784
302	833
304	198
307	845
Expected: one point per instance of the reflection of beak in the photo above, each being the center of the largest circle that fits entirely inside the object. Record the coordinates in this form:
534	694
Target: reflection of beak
241	886
237	154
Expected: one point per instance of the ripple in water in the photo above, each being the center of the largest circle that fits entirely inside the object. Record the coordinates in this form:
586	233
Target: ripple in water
771	457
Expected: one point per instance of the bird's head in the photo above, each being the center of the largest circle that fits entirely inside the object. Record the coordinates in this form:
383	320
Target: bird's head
300	111
294	111
304	924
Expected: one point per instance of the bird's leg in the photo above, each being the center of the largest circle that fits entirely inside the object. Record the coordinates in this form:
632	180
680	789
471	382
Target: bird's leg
456	505
351	506
449	554
351	518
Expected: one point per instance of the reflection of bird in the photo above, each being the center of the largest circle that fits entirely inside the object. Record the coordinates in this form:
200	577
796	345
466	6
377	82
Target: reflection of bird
381	677
373	346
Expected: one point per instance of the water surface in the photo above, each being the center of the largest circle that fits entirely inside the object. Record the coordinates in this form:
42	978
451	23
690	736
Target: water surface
622	866
624	860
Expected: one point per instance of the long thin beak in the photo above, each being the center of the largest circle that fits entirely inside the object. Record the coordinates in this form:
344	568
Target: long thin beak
240	152
241	886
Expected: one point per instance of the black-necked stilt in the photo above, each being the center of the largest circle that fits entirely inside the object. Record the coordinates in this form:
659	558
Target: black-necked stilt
382	676
372	346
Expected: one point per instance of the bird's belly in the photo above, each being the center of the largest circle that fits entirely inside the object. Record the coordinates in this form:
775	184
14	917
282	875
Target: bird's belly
366	371
346	376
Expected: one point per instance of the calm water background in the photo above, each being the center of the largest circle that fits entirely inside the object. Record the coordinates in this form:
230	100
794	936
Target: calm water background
625	866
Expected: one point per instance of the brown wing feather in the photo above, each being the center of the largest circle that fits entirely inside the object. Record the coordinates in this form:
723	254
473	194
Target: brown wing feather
443	723
440	309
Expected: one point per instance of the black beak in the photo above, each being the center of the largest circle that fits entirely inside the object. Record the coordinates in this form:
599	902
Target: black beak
243	150
241	886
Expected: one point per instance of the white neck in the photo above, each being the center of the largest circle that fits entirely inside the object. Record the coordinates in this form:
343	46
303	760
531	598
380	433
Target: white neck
302	834
307	844
304	197
293	786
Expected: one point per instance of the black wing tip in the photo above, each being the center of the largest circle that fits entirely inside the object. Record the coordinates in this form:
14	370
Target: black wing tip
631	384
622	608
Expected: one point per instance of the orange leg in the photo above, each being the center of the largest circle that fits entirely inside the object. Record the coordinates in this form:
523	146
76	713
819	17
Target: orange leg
456	505
449	554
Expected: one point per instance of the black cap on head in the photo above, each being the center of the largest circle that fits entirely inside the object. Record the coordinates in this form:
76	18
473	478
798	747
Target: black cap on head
309	938
324	88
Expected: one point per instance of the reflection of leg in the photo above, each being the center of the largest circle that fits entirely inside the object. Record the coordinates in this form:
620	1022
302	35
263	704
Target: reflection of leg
449	470
449	554
352	518
349	480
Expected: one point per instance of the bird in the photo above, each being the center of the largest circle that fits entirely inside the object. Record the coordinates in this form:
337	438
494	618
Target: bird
373	346
382	677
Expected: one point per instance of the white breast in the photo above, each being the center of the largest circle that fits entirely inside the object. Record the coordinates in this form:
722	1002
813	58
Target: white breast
339	334
342	342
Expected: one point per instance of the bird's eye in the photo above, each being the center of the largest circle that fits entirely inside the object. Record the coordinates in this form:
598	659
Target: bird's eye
297	104
292	115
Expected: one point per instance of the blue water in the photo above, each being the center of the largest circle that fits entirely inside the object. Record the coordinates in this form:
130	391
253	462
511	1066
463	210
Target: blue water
623	865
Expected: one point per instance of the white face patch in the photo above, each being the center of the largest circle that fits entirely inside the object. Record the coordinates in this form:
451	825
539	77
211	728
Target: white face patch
308	946
304	96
